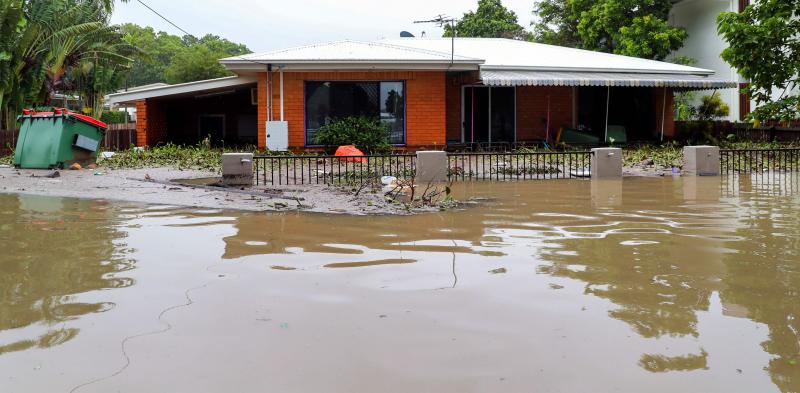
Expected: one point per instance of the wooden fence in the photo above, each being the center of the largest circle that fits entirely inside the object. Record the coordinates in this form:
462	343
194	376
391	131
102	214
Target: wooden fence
118	137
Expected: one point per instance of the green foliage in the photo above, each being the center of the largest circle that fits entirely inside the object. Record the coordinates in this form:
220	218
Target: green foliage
628	27
490	20
665	156
114	117
712	108
169	155
368	134
765	48
169	58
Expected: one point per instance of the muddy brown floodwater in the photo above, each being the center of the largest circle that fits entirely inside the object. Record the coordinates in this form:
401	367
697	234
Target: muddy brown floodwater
646	284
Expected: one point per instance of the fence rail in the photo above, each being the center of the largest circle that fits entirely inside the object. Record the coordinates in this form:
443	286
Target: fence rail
759	160
520	166
331	170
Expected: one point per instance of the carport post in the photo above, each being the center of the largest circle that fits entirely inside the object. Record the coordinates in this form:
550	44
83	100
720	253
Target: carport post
280	72
608	101
663	112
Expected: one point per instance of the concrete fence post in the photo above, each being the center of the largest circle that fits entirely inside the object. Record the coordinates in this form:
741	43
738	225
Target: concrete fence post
431	167
237	169
606	163
701	160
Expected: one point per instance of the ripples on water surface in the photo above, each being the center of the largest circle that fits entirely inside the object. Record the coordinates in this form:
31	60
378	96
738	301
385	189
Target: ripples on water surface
644	285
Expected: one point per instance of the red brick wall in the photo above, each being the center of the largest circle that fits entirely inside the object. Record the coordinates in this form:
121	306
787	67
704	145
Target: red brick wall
455	82
669	117
425	103
151	123
532	111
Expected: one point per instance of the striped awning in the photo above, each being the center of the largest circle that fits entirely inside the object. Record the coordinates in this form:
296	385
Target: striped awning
612	79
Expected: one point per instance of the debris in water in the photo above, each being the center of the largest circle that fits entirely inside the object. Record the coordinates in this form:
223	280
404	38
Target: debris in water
498	271
75	167
53	175
556	286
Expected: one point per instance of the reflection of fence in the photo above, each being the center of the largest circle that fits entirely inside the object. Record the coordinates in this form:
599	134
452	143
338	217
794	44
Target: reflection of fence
8	140
759	160
519	166
757	184
332	170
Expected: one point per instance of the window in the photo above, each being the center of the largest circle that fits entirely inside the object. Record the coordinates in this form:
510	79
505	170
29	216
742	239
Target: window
327	101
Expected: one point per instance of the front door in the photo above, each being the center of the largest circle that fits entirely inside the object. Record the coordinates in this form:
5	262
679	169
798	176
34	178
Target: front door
489	114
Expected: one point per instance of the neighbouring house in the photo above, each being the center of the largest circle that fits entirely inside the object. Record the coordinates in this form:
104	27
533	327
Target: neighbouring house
705	44
432	92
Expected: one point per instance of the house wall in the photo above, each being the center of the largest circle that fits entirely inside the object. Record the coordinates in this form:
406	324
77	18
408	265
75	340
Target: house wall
699	18
425	103
151	123
532	111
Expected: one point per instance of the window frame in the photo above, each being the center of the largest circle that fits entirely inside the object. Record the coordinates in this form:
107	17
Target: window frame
378	81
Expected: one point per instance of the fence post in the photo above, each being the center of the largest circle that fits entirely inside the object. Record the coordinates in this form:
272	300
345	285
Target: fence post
701	160
606	163
431	167
237	169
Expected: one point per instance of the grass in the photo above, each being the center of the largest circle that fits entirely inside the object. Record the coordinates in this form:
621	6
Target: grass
169	155
666	156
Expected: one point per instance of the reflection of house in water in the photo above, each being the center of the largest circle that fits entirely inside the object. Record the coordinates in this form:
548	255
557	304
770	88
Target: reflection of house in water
276	234
75	253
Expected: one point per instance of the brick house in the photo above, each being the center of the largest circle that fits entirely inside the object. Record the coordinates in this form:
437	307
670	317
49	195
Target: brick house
432	93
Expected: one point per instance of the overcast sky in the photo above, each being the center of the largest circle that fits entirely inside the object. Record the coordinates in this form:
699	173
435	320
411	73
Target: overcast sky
266	25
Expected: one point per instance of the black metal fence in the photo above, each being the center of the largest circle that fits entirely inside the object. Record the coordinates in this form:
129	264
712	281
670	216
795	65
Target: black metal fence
520	165
332	170
759	160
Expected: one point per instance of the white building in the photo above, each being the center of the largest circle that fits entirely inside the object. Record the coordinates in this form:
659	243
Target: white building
699	18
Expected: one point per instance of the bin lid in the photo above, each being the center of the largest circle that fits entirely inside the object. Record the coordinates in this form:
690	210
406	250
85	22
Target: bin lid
86	119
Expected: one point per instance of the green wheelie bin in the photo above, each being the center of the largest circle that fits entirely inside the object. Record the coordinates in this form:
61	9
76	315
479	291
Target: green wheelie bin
57	139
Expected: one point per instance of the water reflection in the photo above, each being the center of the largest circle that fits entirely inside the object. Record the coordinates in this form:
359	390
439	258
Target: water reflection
683	284
53	251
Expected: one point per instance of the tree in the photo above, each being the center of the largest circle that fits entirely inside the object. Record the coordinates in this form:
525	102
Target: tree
173	59
491	20
627	27
764	47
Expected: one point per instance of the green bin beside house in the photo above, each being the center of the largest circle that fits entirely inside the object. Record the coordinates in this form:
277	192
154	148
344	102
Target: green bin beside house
57	139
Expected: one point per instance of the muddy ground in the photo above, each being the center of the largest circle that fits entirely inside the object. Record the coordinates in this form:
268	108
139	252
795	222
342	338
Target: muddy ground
159	186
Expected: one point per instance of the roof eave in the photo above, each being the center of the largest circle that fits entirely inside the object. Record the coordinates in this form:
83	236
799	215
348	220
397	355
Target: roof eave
183	88
698	71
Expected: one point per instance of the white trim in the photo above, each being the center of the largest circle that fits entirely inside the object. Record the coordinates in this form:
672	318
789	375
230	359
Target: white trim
183	88
695	71
366	65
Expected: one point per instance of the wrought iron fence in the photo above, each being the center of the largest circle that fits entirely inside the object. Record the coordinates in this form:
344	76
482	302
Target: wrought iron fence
331	170
519	165
759	160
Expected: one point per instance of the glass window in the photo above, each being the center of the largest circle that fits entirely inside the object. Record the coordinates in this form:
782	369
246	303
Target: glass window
326	101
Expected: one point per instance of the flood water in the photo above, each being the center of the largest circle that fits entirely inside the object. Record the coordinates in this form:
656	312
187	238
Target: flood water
646	284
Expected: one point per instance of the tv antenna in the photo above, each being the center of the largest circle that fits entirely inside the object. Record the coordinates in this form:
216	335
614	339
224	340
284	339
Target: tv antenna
443	20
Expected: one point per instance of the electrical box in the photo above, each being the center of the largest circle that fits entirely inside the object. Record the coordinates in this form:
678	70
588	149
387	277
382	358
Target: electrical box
278	135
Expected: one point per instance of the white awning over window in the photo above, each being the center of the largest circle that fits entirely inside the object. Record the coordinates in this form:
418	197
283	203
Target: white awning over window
612	79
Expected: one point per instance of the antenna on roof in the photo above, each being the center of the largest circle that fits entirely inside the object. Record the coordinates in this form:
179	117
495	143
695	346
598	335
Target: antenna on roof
443	20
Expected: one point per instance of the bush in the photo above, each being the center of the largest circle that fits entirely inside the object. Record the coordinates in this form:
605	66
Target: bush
368	134
712	108
113	117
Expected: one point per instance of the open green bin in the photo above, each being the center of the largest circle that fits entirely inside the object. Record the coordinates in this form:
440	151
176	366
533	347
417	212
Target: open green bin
57	139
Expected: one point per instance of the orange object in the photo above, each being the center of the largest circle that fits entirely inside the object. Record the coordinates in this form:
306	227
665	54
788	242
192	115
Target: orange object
350	153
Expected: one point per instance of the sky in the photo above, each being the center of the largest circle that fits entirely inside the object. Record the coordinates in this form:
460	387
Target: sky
268	25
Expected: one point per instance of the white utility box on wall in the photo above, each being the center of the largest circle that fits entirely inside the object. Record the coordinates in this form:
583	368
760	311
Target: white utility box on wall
278	135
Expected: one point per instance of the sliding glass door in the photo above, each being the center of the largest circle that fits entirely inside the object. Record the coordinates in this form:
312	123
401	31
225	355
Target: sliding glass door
489	114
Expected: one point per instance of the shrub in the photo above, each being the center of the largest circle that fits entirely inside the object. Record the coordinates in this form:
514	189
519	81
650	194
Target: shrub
113	117
712	108
368	134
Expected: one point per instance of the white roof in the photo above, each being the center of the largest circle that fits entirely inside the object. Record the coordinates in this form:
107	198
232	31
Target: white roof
349	54
178	89
502	53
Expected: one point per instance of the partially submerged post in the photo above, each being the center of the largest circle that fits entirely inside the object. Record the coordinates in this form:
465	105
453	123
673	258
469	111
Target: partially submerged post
431	167
237	169
701	160
607	163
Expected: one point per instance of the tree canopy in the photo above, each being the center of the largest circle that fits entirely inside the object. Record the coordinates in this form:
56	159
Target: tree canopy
763	45
172	59
638	28
490	20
